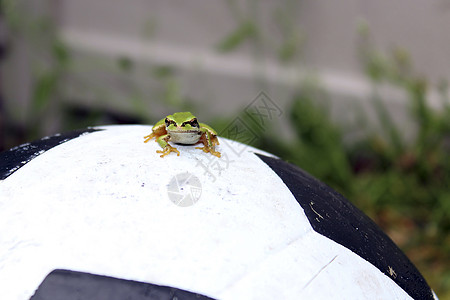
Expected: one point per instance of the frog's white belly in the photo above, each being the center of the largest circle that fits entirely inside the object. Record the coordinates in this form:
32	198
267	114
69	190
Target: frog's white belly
184	137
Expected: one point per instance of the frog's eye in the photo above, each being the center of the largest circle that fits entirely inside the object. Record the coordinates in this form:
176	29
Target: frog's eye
193	123
168	122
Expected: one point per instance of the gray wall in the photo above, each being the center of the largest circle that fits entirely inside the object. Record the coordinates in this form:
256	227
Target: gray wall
184	35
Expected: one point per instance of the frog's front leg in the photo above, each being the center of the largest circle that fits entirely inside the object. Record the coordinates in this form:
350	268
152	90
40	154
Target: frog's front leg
209	142
157	131
163	142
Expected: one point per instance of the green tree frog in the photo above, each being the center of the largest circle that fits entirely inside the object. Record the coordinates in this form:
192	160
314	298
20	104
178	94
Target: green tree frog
183	128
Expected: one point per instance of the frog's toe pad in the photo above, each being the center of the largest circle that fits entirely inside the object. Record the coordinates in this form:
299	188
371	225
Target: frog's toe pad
167	151
209	150
149	137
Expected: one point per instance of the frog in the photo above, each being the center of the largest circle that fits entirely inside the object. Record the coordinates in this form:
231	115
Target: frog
183	128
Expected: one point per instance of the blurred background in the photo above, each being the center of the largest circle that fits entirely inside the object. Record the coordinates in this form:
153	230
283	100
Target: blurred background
354	92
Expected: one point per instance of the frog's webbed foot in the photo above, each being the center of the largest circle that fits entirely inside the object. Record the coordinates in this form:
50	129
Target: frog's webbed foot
207	149
210	147
167	149
150	136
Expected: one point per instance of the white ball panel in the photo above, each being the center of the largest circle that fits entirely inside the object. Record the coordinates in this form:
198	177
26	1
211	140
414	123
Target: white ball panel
99	204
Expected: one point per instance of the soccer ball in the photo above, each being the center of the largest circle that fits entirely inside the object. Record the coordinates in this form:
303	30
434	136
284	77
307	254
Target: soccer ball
97	214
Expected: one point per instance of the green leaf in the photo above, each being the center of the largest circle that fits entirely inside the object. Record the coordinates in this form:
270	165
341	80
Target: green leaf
289	48
245	31
44	88
60	52
163	71
125	64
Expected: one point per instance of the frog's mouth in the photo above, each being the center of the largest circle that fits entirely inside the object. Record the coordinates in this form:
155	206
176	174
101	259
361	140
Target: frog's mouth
181	131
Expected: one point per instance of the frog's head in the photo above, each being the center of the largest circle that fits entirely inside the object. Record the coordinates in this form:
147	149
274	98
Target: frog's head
182	121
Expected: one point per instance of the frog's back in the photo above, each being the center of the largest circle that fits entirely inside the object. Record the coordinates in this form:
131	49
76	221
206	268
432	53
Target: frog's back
159	124
212	131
